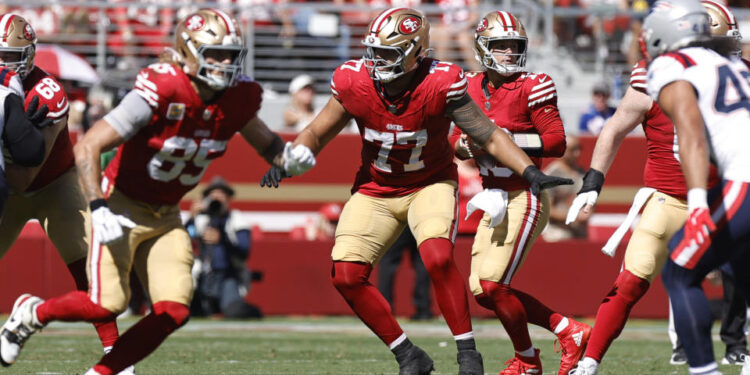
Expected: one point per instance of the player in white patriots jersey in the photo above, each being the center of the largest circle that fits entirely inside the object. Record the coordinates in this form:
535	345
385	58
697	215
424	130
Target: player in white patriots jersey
707	96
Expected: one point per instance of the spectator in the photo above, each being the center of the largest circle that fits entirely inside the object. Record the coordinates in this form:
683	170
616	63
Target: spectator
561	197
597	114
387	274
300	110
319	227
224	239
453	35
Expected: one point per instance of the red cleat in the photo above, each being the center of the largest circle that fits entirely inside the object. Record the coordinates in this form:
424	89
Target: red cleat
573	340
520	365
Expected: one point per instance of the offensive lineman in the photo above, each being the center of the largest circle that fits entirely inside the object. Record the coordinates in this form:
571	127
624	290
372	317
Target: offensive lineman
403	103
525	105
49	192
180	116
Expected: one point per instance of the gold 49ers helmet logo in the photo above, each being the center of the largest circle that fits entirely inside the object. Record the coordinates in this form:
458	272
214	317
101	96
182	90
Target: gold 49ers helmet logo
482	25
28	32
409	25
195	23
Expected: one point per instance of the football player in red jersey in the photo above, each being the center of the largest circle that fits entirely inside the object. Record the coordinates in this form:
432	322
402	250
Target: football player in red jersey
663	199
524	105
180	116
50	191
403	103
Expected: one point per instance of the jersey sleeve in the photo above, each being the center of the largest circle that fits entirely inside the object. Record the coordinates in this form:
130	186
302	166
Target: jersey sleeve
156	84
452	79
11	80
342	78
542	91
664	70
51	93
638	76
253	94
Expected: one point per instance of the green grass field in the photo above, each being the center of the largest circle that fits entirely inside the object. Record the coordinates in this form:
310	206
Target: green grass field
326	346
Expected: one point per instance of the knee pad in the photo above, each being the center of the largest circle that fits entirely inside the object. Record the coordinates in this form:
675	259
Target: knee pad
346	275
176	313
436	253
631	287
434	227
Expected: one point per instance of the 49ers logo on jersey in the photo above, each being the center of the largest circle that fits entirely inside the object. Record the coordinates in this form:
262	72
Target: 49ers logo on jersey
409	25
482	25
195	23
28	32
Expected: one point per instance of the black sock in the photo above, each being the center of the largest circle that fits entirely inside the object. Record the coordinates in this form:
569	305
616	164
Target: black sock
466	344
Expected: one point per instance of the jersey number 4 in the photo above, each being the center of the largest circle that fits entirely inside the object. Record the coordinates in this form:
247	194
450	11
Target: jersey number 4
729	79
170	162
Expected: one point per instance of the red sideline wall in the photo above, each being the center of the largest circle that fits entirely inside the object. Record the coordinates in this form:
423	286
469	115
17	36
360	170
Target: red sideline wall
572	277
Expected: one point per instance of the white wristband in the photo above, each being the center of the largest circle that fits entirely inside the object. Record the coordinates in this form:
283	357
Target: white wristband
696	198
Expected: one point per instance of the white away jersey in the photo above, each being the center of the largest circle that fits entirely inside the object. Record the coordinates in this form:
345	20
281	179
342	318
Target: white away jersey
723	97
10	83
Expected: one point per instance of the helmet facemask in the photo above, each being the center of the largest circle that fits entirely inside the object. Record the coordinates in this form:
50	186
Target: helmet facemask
17	44
381	69
516	61
17	58
218	75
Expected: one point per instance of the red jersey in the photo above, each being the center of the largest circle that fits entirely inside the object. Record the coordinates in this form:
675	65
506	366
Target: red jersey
166	158
663	171
50	92
404	140
527	103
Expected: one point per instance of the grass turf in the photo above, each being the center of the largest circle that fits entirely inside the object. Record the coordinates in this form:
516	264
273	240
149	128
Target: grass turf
338	345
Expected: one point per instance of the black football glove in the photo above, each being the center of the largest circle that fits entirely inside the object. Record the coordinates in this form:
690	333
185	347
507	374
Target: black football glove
38	117
592	181
273	177
540	181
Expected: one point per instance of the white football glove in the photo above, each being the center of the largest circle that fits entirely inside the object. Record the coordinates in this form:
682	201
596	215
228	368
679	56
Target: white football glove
107	226
582	199
298	159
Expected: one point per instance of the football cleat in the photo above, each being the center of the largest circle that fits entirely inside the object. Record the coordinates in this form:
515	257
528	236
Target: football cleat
678	357
745	368
585	368
573	340
415	362
735	357
520	365
470	363
130	370
21	324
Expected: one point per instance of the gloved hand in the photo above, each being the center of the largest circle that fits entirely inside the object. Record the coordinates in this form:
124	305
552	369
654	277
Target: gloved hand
38	117
297	159
273	177
540	181
697	231
107	226
587	196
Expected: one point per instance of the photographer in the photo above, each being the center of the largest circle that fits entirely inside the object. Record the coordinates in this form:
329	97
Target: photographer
221	277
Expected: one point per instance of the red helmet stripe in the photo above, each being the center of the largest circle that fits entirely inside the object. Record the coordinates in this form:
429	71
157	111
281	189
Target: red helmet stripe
5	23
729	16
227	21
378	23
507	20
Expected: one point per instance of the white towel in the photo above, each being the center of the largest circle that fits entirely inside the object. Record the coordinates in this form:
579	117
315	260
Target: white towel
492	201
638	201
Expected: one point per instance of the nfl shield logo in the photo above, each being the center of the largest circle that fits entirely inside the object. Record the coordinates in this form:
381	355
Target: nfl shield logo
176	111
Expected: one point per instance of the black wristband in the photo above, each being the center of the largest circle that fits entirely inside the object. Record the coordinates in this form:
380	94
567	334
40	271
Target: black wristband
592	181
97	203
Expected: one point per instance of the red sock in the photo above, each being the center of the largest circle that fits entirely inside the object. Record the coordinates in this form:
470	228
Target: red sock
72	307
613	313
352	281
107	331
144	337
449	286
538	313
510	311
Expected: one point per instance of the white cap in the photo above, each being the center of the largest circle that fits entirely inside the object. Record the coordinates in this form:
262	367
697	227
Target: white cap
299	82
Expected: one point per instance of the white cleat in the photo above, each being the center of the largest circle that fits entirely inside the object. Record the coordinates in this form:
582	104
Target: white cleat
745	368
91	372
585	368
21	324
130	370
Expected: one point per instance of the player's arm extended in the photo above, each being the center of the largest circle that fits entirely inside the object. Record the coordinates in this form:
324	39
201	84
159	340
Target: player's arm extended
474	123
324	127
19	178
268	144
680	102
630	113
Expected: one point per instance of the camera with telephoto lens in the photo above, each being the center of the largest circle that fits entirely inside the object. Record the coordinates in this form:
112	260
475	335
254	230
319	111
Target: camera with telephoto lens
214	207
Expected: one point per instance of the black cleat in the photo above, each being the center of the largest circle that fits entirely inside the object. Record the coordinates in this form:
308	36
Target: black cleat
470	363
415	362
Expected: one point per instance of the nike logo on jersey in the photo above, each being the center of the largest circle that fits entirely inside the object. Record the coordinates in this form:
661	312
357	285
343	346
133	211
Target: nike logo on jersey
61	103
547	109
541	80
577	337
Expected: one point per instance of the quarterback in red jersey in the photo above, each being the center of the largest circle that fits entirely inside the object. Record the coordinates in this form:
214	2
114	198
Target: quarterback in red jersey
524	105
665	208
49	192
403	103
180	116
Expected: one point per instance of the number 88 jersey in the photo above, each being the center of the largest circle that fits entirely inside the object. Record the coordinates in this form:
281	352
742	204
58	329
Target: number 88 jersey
723	90
166	158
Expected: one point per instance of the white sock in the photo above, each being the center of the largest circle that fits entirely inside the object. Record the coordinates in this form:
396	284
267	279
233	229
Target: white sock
561	326
107	349
528	352
709	369
590	362
464	336
397	341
